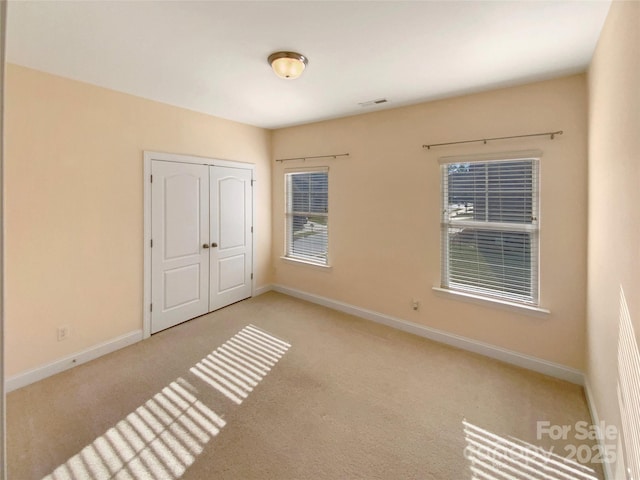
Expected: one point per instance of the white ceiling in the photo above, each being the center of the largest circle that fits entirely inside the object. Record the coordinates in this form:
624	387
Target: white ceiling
211	56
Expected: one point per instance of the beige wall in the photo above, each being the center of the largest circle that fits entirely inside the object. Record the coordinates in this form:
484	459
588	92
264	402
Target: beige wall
614	199
74	209
74	206
384	211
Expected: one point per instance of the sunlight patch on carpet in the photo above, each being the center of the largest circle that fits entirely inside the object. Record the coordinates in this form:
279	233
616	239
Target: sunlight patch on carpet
495	457
235	366
163	437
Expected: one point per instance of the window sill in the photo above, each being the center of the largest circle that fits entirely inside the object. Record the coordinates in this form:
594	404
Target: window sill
296	261
492	302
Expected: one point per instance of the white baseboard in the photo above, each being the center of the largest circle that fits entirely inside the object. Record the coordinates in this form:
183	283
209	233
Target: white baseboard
508	356
263	289
40	373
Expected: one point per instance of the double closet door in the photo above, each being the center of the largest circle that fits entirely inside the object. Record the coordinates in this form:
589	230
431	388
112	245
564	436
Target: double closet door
201	237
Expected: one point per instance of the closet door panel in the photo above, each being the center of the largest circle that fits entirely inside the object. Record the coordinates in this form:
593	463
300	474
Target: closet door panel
180	232
230	236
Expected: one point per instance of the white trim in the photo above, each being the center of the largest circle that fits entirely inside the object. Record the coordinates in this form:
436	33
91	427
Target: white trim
322	168
595	420
297	261
492	302
508	356
254	244
146	295
263	289
31	376
483	157
179	158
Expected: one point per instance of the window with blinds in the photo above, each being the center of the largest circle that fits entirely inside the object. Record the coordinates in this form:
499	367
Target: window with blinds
490	228
307	215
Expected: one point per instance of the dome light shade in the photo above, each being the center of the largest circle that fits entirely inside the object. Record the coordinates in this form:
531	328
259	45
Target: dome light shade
288	65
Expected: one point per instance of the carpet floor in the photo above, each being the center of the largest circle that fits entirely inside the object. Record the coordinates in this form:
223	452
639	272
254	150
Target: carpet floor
277	388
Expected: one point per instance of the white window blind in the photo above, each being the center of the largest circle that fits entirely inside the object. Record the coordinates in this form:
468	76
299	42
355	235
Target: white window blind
490	228
307	215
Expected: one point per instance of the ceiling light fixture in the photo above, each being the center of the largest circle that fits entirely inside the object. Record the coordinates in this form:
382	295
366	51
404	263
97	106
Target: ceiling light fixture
288	65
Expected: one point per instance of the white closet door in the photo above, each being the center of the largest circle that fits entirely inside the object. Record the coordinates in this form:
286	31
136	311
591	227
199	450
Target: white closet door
230	236
180	235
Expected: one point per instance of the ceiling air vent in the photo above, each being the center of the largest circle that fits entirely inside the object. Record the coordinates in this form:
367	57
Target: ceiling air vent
373	102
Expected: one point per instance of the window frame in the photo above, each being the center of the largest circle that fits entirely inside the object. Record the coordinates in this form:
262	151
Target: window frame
289	214
532	228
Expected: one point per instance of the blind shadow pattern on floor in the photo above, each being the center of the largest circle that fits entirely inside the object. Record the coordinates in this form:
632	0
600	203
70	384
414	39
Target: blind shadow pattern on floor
163	437
497	457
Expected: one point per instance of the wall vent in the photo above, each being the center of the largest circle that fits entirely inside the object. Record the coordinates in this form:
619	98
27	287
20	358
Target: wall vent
373	102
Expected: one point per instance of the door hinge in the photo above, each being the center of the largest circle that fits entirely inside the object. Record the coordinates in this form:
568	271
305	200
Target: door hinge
152	243
252	182
252	276
151	179
151	307
251	229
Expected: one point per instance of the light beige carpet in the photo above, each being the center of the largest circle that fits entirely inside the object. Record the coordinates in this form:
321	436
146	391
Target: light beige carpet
277	388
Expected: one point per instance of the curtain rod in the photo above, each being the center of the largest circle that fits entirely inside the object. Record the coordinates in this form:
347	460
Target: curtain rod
485	140
309	158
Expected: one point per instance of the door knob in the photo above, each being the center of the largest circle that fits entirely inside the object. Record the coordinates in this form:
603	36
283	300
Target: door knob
214	245
206	245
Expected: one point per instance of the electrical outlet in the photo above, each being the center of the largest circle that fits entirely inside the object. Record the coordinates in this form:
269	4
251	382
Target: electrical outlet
415	304
63	332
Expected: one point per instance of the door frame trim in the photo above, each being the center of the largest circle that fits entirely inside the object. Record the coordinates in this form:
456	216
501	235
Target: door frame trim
150	156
